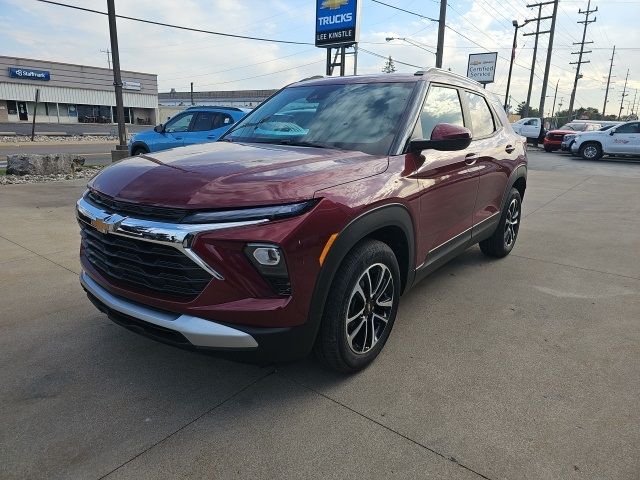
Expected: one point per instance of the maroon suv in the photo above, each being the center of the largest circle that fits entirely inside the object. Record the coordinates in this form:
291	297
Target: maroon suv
304	225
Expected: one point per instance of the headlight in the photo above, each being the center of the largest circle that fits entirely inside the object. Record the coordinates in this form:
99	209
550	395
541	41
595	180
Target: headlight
276	212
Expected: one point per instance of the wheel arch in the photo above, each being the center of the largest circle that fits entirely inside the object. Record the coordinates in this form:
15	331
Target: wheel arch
517	180
391	224
136	145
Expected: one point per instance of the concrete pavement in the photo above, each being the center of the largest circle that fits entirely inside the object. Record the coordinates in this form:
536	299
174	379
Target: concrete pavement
525	367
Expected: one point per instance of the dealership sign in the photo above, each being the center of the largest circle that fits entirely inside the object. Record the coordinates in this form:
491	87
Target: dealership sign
482	67
337	22
128	85
29	74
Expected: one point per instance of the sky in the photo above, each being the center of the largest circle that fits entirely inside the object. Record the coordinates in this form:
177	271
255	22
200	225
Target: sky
32	29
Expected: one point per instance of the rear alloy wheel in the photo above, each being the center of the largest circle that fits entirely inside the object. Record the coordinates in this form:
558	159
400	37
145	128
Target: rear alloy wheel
360	309
504	238
591	151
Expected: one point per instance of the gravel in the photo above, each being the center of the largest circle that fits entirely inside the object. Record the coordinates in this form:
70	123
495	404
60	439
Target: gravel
85	172
66	138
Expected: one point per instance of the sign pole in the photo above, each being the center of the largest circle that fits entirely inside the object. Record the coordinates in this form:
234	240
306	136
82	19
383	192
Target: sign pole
35	109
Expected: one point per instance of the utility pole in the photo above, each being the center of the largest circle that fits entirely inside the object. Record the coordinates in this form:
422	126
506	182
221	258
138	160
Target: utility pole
624	94
537	33
547	67
108	52
121	149
555	95
606	93
441	26
192	94
586	22
635	96
513	58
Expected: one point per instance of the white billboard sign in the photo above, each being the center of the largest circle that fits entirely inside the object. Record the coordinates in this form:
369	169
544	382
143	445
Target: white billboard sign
482	67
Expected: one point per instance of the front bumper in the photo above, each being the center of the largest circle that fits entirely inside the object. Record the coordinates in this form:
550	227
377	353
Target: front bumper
552	144
198	332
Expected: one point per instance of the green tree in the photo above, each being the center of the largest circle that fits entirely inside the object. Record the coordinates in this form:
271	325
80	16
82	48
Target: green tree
389	66
533	112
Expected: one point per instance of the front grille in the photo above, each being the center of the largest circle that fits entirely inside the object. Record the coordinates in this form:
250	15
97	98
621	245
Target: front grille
161	269
555	136
136	210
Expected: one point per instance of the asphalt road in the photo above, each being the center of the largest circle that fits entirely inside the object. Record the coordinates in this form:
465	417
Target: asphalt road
519	368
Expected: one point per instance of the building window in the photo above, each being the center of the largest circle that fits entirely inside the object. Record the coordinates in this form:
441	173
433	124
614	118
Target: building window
127	114
12	107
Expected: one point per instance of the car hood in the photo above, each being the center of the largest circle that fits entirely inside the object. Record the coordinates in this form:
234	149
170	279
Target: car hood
224	174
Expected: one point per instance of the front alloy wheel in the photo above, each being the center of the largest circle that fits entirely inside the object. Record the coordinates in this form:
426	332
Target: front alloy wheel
360	308
369	308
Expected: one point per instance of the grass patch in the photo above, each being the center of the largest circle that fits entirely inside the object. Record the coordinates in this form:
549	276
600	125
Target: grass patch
3	171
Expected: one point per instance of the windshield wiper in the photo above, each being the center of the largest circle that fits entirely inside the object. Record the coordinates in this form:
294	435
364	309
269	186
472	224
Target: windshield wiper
300	143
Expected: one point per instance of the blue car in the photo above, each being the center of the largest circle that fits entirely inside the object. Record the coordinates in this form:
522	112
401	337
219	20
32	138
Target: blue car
194	125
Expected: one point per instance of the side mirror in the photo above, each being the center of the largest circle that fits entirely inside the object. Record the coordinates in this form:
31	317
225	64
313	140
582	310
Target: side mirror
444	137
612	131
158	128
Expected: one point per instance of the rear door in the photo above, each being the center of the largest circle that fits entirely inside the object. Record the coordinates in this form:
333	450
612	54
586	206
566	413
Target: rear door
625	139
448	187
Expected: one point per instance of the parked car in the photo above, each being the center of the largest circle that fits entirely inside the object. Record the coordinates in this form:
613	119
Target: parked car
570	138
623	139
529	127
553	138
284	237
195	125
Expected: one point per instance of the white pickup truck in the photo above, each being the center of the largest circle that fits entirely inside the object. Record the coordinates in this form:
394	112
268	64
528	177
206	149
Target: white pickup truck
623	139
529	127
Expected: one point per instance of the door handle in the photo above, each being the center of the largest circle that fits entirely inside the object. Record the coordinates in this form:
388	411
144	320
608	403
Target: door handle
509	149
470	158
178	138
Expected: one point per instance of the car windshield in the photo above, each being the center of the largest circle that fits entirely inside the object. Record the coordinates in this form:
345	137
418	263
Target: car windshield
362	117
578	127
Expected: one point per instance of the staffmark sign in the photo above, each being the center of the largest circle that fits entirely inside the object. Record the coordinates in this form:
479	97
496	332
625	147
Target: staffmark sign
337	22
482	67
29	74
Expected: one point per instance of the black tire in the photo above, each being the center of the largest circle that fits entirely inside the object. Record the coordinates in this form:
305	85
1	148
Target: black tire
548	149
501	242
333	347
139	151
591	151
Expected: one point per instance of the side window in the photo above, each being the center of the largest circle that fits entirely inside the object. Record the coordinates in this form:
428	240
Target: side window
179	123
442	106
628	128
204	121
221	120
481	118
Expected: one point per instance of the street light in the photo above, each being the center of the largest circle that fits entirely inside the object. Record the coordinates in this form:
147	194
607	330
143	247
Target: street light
513	57
411	42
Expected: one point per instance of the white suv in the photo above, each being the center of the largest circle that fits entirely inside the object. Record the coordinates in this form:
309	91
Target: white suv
621	140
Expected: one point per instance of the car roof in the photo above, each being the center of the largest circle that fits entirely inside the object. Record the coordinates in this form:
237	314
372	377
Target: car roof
429	75
216	107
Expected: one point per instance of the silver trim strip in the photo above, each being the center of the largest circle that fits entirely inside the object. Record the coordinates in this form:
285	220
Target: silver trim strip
176	235
463	232
199	331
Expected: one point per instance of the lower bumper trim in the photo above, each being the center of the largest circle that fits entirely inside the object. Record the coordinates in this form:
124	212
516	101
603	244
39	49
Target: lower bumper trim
199	332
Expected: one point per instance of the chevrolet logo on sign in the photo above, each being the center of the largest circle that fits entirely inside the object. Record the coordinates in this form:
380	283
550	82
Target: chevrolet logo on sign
333	4
108	224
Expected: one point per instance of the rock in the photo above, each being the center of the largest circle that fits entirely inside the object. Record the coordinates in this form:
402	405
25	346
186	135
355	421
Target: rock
34	164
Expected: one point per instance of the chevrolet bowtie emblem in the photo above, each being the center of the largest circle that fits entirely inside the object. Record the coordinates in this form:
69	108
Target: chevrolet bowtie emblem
108	224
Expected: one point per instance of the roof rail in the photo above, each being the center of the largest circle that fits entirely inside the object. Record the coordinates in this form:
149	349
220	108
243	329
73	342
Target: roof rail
314	77
235	109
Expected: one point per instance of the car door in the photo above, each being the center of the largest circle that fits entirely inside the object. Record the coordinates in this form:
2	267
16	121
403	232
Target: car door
493	147
173	133
447	187
200	127
531	128
625	139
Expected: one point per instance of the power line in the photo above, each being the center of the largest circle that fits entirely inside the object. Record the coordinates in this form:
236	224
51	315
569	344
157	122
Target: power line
180	27
406	11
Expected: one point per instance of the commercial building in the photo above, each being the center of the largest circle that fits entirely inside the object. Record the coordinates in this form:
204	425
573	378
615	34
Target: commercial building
71	93
223	98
